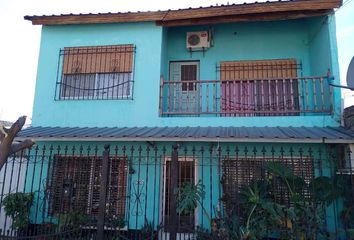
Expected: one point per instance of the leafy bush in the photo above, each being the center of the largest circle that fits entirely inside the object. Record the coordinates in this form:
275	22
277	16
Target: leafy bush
18	206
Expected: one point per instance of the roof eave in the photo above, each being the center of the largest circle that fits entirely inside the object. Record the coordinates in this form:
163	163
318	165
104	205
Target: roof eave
245	18
239	12
188	139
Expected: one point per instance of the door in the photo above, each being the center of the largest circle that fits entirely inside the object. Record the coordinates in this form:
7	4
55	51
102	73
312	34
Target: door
184	91
187	173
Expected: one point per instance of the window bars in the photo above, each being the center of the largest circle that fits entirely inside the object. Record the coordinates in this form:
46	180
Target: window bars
76	185
100	72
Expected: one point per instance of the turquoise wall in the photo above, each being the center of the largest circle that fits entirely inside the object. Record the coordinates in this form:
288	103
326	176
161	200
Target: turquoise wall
243	41
155	47
147	39
324	53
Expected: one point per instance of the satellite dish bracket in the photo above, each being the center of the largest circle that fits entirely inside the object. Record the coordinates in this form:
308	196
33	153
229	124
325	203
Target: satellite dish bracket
331	78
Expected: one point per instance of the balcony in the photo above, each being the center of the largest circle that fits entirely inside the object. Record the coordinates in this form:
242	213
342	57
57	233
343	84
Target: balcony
253	97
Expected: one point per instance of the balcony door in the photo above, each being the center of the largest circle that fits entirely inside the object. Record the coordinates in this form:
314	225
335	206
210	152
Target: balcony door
259	88
184	92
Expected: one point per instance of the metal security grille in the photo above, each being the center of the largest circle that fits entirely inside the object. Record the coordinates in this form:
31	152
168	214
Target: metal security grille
100	72
261	87
75	185
241	172
133	190
188	73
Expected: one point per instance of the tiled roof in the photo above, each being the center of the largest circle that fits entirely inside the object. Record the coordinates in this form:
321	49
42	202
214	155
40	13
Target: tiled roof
300	8
210	134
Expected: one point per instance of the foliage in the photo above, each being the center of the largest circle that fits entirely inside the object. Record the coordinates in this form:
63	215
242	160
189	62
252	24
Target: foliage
261	216
228	227
148	230
188	198
71	220
347	214
262	213
18	206
305	216
118	222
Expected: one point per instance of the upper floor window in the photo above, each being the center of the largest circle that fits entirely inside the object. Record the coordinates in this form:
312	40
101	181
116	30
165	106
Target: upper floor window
259	87
101	72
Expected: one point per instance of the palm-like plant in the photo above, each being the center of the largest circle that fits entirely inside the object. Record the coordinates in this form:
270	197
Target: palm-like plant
189	195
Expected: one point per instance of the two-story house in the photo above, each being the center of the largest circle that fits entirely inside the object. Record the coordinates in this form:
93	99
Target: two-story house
213	96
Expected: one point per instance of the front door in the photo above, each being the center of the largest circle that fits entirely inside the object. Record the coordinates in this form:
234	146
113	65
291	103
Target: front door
184	93
186	174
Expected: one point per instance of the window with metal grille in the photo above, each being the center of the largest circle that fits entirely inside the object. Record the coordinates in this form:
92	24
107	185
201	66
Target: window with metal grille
75	185
259	87
101	72
241	172
189	73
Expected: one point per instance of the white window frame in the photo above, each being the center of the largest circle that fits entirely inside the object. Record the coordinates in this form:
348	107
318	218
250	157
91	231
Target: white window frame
75	94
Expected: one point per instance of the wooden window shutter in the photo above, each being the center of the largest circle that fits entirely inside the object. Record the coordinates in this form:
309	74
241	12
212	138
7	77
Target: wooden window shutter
241	172
100	59
258	69
80	178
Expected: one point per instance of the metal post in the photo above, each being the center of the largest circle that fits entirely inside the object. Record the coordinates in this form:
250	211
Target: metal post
174	184
103	190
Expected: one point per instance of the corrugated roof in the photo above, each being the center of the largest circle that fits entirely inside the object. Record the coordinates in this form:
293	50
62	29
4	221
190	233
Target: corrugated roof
210	134
169	17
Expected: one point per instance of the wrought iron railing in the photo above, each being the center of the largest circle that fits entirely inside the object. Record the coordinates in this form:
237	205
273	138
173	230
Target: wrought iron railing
144	191
252	97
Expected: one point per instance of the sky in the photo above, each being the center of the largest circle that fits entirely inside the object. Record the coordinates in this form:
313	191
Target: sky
19	41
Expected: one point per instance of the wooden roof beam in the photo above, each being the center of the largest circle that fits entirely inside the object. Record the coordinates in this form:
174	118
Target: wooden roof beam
95	18
244	18
237	12
261	7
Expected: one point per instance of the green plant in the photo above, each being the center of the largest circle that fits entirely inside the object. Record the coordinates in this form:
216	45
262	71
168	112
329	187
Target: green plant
147	230
18	206
118	222
304	217
71	220
347	213
188	198
262	215
228	228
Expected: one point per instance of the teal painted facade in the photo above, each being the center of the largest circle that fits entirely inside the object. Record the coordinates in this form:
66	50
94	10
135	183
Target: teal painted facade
310	41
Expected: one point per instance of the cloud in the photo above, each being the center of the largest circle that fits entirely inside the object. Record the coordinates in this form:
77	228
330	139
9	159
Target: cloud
346	32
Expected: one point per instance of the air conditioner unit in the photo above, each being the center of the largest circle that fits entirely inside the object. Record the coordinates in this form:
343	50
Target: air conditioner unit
198	40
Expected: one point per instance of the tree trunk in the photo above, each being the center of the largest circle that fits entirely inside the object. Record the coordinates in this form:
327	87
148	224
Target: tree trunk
7	136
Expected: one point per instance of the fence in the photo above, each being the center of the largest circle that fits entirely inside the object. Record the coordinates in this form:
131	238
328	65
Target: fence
179	191
246	97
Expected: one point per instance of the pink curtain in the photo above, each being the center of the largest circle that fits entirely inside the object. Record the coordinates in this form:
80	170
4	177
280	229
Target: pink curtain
263	97
237	98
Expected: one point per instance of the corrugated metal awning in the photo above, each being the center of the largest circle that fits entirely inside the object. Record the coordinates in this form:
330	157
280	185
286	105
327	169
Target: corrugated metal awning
201	134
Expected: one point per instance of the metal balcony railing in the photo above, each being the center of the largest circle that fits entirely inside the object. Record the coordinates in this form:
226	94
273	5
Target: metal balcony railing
252	97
